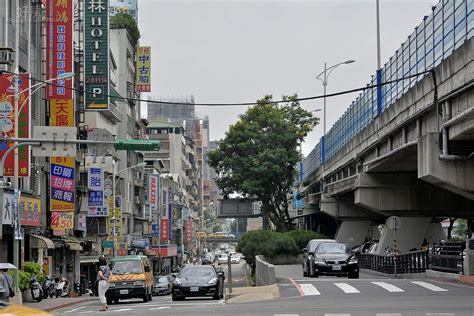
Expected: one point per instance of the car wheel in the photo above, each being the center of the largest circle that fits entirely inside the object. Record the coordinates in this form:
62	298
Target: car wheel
305	273
177	298
150	297
116	301
145	298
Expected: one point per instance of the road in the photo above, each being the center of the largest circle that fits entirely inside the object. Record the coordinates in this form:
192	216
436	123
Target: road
370	295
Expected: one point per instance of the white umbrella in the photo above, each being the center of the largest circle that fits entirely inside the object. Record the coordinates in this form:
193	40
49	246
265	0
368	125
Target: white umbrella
4	265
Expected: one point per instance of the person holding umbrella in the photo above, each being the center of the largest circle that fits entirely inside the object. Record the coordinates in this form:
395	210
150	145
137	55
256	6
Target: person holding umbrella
6	288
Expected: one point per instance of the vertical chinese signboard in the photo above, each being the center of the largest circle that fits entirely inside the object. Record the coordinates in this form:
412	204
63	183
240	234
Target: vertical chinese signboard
143	69
164	229
189	231
7	122
114	220
96	54
96	191
59	47
170	210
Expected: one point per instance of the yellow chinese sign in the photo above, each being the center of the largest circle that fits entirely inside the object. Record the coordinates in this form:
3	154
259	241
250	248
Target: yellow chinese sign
62	220
143	69
114	221
62	112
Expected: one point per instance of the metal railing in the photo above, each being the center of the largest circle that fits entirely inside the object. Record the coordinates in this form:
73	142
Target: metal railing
447	257
412	262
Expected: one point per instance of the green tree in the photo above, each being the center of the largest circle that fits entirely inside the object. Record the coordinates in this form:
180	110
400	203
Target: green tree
125	21
461	228
302	237
258	156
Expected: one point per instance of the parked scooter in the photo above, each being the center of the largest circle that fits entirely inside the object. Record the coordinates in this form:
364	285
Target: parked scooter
36	289
48	287
61	287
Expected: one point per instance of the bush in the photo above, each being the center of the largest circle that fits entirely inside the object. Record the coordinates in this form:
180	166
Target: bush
34	269
301	237
23	279
125	21
267	243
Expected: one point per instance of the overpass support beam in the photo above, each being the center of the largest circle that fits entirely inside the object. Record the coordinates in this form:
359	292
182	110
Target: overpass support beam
344	208
412	233
453	175
404	194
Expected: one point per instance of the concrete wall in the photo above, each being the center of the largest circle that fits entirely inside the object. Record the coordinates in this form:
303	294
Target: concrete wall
264	271
353	232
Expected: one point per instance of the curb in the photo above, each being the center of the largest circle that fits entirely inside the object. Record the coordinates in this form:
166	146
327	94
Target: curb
59	306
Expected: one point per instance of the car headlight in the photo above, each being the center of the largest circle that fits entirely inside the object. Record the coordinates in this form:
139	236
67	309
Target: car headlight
353	260
139	283
111	285
319	261
177	281
212	281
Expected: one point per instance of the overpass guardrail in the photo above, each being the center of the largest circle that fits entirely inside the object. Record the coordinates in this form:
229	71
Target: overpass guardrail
412	262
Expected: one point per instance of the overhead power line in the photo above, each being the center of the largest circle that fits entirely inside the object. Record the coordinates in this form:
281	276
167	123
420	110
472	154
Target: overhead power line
239	103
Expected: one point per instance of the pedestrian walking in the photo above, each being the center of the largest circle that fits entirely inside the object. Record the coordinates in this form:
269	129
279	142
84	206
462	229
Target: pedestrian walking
103	276
6	287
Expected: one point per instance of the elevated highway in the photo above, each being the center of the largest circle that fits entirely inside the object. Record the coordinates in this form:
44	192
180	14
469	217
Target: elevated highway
408	151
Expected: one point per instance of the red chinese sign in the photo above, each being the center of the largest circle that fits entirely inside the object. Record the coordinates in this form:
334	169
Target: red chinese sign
59	47
164	229
189	231
7	122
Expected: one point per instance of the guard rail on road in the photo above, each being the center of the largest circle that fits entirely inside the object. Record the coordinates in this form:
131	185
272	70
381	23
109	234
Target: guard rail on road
412	262
447	256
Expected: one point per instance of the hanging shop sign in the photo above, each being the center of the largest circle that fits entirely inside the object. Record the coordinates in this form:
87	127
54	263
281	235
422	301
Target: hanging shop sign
62	184
143	80
62	220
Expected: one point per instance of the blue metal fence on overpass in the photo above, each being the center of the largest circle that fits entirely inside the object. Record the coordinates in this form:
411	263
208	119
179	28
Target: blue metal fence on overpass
450	24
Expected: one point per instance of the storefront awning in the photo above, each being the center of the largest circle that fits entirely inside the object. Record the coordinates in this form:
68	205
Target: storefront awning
72	243
41	242
89	259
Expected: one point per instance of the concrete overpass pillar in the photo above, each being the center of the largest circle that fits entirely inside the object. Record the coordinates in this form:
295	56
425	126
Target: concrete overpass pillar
353	233
412	233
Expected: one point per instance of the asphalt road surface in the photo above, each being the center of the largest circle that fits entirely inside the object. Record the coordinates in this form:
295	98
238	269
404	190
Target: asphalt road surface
370	295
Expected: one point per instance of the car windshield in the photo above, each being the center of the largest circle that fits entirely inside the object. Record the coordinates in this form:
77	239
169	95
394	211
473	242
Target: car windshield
313	244
197	272
327	248
126	267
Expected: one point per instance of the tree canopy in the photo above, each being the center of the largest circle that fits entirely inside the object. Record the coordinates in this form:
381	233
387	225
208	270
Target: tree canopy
125	21
258	156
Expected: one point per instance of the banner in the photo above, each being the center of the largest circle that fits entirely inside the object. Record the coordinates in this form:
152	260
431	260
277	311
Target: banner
62	220
7	122
61	112
62	185
59	47
96	54
143	82
126	7
114	220
189	231
96	187
29	210
164	229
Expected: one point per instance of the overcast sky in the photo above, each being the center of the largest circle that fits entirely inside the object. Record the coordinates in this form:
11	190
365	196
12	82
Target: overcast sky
227	51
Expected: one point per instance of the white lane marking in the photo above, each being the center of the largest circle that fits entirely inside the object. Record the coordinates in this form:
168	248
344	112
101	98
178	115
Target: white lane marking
162	307
75	309
337	314
429	286
347	288
88	312
309	289
440	314
388	314
286	314
122	310
389	287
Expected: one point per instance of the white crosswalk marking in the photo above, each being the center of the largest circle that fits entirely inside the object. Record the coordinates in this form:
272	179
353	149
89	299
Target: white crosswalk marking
74	310
389	287
309	289
347	288
431	287
388	314
440	314
122	310
162	307
337	314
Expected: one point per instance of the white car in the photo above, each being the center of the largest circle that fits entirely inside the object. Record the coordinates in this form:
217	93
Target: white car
235	258
223	259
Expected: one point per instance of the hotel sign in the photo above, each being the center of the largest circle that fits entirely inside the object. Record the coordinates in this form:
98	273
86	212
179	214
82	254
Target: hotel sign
96	54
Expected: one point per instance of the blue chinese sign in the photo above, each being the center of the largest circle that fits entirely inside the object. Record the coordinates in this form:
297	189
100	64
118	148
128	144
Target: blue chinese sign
155	230
95	183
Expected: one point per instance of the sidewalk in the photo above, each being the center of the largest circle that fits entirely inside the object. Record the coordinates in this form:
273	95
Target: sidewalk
51	304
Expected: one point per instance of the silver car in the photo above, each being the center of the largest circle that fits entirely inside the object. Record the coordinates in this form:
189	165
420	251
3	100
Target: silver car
161	285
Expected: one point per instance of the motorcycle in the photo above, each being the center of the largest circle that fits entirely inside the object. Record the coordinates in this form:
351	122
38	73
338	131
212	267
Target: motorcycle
48	287
36	290
61	287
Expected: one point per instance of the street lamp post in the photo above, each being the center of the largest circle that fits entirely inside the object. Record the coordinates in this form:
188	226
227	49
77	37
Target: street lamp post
142	164
325	75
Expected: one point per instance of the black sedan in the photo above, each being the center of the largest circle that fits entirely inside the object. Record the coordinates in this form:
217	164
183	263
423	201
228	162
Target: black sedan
198	280
335	259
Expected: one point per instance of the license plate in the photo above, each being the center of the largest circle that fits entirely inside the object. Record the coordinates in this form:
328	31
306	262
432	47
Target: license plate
123	291
194	289
337	267
36	292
